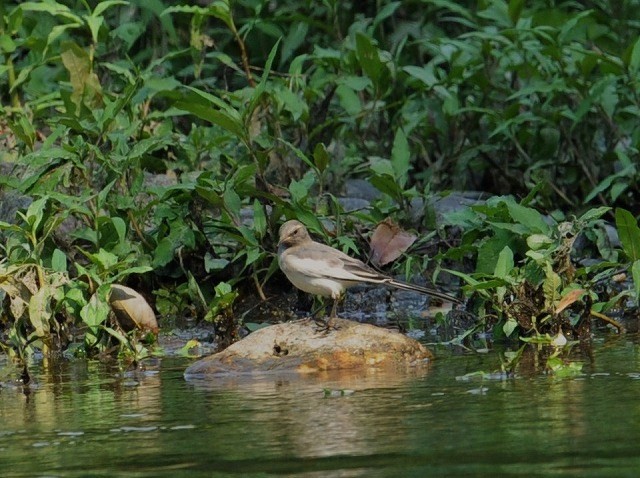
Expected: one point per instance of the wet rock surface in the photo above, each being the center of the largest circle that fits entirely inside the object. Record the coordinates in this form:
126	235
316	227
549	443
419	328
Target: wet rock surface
301	347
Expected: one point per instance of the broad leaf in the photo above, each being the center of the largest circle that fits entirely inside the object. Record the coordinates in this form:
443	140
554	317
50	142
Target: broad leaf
629	233
400	156
388	242
635	273
528	217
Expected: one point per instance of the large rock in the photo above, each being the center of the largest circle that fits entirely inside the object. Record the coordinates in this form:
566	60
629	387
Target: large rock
300	347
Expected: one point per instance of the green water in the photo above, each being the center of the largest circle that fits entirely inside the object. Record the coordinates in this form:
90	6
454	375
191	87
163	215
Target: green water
88	419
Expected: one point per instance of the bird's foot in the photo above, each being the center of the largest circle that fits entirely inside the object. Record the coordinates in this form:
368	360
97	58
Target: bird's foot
325	325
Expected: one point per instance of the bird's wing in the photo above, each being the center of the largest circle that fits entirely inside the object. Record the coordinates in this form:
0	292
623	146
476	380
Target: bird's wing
362	271
319	260
323	262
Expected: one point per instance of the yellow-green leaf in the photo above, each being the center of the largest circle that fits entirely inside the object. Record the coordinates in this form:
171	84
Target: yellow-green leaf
40	310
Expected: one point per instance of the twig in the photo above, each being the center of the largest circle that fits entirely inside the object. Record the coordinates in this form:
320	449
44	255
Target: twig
259	287
609	320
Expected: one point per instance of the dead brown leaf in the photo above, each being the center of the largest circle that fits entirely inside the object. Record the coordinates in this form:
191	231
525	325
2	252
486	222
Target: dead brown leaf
131	309
388	242
569	299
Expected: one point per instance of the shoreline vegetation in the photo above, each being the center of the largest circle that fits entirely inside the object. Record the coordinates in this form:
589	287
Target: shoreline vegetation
492	145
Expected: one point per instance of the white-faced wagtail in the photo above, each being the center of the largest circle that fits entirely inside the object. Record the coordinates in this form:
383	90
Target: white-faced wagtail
322	270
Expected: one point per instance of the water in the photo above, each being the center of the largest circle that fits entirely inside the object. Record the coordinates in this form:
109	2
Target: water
90	419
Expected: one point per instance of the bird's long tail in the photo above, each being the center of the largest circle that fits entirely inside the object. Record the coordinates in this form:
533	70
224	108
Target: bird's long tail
423	290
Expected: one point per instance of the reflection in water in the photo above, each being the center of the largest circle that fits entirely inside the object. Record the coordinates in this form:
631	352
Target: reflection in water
86	419
301	415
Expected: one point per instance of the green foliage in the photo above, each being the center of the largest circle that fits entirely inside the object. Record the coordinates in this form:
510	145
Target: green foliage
526	281
629	234
163	143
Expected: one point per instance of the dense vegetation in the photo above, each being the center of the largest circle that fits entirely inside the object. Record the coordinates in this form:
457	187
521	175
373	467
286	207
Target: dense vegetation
160	145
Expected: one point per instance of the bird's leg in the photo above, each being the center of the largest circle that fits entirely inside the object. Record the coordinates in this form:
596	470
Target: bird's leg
330	323
319	308
334	309
327	324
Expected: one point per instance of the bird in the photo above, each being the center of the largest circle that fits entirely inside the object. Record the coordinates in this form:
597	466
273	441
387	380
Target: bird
319	269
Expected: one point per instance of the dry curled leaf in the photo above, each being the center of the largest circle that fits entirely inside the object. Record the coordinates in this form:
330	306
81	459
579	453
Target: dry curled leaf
388	242
131	309
569	299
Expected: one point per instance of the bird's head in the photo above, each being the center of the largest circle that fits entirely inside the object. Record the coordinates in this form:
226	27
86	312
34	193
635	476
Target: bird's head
292	233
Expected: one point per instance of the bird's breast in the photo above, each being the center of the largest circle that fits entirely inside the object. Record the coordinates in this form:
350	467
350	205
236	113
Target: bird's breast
316	285
324	286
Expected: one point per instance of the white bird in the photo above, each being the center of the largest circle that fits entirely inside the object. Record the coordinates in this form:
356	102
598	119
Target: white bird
322	270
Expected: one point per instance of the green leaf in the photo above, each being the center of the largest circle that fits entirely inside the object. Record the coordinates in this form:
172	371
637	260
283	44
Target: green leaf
243	179
595	213
617	189
381	166
78	63
216	102
223	300
300	190
212	263
104	193
387	184
7	45
385	12
259	218
349	100
228	121
569	370
194	9
40	310
121	228
400	156
569	27
354	83
95	313
185	350
503	270
369	58
257	93
217	8
635	273
104	5
551	287
509	326
291	102
625	173
489	251
53	8
528	217
220	9
104	259
35	213
634	58
629	233
294	39
423	73
232	202
22	77
515	10
538	241
505	264
163	253
58	260
320	157
94	24
131	270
